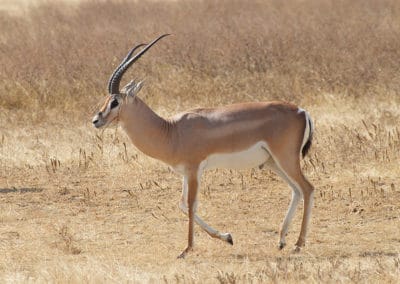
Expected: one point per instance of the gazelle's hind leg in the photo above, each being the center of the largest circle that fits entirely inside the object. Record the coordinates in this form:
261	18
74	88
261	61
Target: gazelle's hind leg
183	205
296	197
288	167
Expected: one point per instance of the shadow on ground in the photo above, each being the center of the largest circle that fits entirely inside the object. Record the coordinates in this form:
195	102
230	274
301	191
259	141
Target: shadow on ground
20	190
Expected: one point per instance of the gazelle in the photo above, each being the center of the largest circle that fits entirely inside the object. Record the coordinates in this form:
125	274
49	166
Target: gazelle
238	136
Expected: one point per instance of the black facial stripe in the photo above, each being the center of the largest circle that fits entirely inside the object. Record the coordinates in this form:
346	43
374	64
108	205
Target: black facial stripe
114	103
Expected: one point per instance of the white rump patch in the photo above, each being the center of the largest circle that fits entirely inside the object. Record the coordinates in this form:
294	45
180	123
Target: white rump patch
252	157
307	130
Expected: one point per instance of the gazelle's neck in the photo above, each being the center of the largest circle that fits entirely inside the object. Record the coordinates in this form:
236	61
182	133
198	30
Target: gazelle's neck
149	132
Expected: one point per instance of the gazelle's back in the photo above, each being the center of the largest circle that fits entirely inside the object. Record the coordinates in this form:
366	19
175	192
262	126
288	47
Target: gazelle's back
234	128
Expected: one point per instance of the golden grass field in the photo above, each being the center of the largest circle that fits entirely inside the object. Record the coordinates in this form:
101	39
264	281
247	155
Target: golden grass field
82	205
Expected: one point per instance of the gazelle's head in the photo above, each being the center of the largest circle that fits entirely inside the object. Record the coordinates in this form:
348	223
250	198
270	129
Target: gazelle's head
115	101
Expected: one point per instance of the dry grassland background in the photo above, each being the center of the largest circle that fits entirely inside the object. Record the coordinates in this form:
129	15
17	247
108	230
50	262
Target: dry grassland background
81	205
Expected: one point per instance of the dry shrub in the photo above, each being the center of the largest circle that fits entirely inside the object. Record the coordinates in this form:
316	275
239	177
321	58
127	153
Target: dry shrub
59	56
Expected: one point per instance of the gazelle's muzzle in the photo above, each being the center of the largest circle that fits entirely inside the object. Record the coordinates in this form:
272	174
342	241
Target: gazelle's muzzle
98	120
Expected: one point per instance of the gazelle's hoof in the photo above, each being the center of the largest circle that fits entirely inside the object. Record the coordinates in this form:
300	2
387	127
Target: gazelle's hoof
225	237
281	245
229	239
296	249
184	253
299	244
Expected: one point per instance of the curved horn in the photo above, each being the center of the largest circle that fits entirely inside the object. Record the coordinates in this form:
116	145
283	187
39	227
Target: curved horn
122	63
116	79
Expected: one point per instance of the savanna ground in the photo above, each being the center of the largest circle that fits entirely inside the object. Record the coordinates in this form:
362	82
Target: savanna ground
82	205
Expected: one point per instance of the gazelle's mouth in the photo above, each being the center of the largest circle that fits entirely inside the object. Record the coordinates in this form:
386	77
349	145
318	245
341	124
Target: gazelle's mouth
97	124
97	121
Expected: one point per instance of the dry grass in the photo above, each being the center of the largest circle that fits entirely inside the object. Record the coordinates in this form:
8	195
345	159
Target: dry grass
78	205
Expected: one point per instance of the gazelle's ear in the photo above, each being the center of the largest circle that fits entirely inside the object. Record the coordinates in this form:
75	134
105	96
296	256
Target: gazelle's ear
132	88
127	87
138	87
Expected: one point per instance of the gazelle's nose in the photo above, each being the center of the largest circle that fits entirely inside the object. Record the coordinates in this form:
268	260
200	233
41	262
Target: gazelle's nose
96	118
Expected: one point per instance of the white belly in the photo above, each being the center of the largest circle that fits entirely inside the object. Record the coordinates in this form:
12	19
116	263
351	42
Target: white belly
252	157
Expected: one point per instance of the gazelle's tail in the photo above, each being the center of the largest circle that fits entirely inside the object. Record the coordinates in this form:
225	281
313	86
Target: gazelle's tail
308	135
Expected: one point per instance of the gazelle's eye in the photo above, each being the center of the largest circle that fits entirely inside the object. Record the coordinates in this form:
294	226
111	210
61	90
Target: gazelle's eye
114	103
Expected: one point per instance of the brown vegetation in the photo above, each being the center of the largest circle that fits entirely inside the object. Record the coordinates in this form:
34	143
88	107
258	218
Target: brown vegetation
78	205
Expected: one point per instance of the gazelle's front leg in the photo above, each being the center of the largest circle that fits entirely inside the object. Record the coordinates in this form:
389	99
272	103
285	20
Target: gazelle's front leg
188	205
209	230
193	185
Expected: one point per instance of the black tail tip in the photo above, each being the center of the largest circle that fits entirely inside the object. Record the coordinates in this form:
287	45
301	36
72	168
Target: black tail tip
306	148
